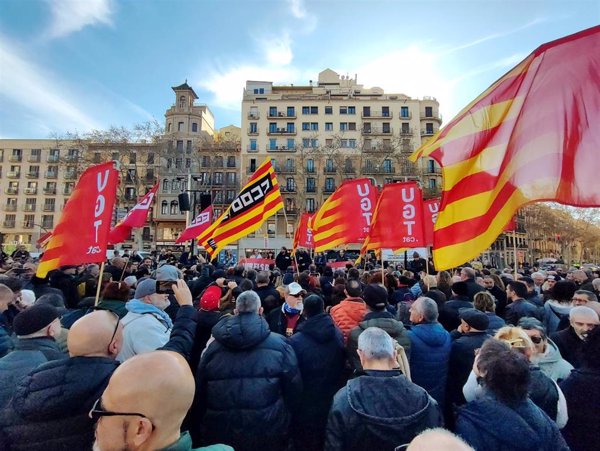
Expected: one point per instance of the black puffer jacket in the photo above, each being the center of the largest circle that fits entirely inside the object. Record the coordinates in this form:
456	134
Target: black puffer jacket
29	353
379	411
247	382
49	411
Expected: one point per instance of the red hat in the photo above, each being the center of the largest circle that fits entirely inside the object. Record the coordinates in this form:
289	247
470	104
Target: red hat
210	298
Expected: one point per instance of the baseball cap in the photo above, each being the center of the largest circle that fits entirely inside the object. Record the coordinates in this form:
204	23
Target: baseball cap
375	296
294	288
145	288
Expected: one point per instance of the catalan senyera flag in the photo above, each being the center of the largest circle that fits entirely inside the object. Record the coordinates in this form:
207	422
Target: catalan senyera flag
259	199
81	235
135	218
303	237
345	217
532	136
398	218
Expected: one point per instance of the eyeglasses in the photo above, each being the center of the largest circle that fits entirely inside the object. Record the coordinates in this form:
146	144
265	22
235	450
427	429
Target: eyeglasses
536	340
297	295
579	300
114	334
98	412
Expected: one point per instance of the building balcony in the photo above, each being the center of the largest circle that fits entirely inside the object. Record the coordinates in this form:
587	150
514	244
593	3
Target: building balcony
66	191
51	191
372	170
311	170
252	132
288	170
280	149
231	165
34	159
33	175
254	115
328	189
406	131
425	132
288	189
311	189
71	175
51	175
10	207
249	149
30	191
349	170
372	131
375	114
250	170
72	158
48	207
291	211
27	225
379	148
9	224
47	224
15	158
433	171
435	117
29	207
12	191
52	158
14	175
329	170
281	115
1	157
232	184
405	117
281	132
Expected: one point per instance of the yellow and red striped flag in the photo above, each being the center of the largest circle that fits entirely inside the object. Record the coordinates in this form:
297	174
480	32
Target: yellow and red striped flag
532	136
345	217
259	199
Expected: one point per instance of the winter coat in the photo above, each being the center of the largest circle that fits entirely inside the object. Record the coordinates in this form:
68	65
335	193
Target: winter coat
429	356
543	392
501	301
142	332
247	383
270	299
582	392
490	425
29	353
347	314
552	364
283	261
554	314
379	410
278	322
6	342
185	444
570	346
473	288
68	285
114	306
206	321
449	312
495	323
520	308
384	320
319	347
49	411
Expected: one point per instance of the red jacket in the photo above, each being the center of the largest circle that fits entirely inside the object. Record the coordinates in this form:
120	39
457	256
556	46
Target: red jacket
347	314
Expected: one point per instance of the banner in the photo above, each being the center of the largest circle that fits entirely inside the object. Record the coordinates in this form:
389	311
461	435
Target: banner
259	199
304	234
197	226
398	218
135	218
345	217
430	212
258	264
81	235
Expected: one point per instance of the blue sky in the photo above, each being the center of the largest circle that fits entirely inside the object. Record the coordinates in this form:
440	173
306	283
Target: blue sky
76	65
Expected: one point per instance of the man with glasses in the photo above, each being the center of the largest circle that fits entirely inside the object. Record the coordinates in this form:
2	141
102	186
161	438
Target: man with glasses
285	321
570	341
146	416
49	411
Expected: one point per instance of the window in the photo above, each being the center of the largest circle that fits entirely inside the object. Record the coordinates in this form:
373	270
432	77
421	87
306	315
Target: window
218	178
432	184
218	163
132	158
253	144
328	126
173	209
329	142
343	110
387	165
343	143
291	184
230	195
328	110
130	194
351	110
178	163
351	125
366	127
314	110
272	127
291	111
180	126
329	184
291	143
305	110
386	127
194	127
310	165
385	111
311	185
169	127
329	165
405	127
150	158
259	90
181	101
289	164
252	164
188	163
47	221
428	111
49	204
305	126
231	177
343	126
253	127
314	143
188	145
290	127
165	185
429	128
180	146
352	143
404	111
150	175
314	126
366	111
431	166
272	144
305	142
272	111
169	163
310	205
231	162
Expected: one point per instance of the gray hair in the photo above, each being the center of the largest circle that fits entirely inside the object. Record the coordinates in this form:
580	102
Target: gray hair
583	311
529	323
590	296
596	282
538	274
470	272
427	308
376	344
262	277
248	301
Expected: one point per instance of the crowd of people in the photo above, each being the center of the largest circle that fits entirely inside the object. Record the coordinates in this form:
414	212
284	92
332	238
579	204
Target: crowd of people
182	354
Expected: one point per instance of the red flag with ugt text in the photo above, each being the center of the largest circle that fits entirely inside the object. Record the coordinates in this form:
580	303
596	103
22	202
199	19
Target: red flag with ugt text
135	218
398	218
304	236
197	226
430	212
81	235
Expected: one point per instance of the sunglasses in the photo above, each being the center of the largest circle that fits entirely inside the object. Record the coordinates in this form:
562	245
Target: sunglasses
536	340
298	295
98	412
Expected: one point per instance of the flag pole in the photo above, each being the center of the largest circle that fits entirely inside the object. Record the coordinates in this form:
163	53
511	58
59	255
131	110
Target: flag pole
382	272
515	250
286	227
99	284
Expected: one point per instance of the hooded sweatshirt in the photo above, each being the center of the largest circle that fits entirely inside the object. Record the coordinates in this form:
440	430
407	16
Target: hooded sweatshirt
489	424
552	364
379	411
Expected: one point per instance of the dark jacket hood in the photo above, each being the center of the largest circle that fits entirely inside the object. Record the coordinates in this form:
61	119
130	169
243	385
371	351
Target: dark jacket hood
319	327
432	334
384	320
374	398
242	331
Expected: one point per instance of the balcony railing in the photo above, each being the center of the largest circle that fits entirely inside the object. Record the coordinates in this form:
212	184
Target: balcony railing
281	131
30	191
328	189
329	170
52	158
29	207
377	114
281	115
51	191
9	224
291	211
288	189
67	191
406	131
10	207
249	149
377	131
72	158
14	175
254	115
15	158
405	116
311	189
34	158
51	175
425	132
378	170
280	149
252	131
349	170
49	207
11	191
27	225
47	225
71	175
435	171
433	117
33	175
288	170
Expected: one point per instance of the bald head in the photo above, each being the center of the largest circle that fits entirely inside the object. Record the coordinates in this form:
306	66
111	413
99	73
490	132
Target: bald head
438	440
160	387
94	335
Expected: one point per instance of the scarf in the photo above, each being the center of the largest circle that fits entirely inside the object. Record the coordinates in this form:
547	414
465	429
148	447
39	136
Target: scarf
137	306
289	310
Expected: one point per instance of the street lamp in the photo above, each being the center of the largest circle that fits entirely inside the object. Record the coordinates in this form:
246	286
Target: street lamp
190	177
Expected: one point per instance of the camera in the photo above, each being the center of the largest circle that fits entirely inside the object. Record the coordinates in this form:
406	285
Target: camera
165	286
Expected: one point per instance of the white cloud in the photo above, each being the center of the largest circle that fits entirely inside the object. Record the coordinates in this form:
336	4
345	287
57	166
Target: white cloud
277	49
69	16
31	88
298	9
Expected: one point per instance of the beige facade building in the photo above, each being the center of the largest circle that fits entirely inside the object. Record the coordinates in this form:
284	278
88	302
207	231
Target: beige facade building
328	131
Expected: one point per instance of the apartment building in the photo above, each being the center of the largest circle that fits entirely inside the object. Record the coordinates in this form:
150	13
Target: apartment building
328	131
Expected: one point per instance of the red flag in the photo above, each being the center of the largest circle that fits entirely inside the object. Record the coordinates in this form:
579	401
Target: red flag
345	217
43	241
512	225
81	235
197	226
431	209
135	218
398	218
304	236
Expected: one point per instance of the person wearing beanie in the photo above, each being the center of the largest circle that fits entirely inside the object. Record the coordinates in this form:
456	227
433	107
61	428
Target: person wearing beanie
449	312
375	297
285	321
35	328
469	336
319	347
